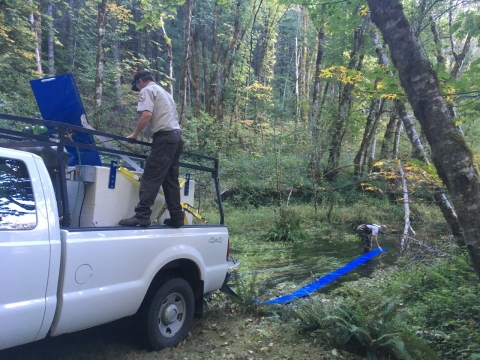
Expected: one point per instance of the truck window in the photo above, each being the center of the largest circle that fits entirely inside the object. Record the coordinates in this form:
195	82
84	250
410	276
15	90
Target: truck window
17	203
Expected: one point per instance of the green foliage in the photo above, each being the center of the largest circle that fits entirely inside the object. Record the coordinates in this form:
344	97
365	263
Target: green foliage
246	290
422	308
443	298
373	334
404	312
287	227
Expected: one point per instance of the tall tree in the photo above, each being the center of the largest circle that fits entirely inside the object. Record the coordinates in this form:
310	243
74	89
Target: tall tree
35	24
418	151
451	155
100	62
338	127
51	33
187	58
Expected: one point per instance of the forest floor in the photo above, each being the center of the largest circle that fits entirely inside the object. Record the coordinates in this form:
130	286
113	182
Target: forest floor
219	335
230	330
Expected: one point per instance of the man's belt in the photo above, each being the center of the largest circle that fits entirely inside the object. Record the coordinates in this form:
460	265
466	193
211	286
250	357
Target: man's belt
168	132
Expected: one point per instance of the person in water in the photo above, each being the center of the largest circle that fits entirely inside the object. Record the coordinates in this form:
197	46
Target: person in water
369	232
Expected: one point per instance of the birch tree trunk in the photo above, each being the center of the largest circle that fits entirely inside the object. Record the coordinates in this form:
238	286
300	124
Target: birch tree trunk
406	209
100	62
451	155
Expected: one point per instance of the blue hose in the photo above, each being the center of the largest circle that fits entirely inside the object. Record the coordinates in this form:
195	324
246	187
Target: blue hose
324	280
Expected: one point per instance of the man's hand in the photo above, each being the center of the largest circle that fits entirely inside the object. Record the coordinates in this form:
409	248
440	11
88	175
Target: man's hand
132	136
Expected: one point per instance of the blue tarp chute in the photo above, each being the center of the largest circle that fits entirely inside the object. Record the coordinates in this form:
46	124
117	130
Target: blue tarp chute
324	280
59	100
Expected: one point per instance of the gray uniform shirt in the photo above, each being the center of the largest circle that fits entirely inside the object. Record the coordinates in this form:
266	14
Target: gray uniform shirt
374	228
160	103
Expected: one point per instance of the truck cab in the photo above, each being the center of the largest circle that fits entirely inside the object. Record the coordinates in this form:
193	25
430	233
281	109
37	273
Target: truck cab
29	244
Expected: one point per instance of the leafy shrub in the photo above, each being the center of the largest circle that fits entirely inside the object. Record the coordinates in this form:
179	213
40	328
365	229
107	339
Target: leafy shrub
287	227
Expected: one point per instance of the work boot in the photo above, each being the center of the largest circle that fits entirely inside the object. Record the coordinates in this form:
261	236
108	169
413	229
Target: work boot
133	221
175	223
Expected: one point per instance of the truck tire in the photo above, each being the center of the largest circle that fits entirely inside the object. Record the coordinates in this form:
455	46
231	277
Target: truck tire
169	316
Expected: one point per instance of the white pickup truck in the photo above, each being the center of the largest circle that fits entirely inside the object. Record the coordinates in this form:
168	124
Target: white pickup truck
56	278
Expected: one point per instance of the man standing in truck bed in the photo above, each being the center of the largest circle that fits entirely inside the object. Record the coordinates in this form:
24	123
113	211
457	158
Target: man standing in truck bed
158	120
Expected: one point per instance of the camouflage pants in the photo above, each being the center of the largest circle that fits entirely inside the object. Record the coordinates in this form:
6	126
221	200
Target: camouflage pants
364	232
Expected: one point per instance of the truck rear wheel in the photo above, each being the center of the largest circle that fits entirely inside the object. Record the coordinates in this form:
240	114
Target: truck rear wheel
170	314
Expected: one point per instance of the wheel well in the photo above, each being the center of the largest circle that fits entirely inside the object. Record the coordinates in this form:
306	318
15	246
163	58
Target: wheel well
183	268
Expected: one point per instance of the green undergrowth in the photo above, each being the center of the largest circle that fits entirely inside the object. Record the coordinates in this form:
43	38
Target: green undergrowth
421	311
422	307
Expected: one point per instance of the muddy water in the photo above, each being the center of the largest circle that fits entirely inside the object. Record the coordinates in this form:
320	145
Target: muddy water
308	261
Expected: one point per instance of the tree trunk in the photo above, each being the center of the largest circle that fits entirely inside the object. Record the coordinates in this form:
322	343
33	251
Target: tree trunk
71	37
373	118
148	45
35	27
417	148
196	61
100	62
214	63
406	208
338	127
168	44
51	55
387	138
314	109
207	90
373	148
138	35
118	77
229	55
396	141
451	155
303	67
186	60
297	90
438	44
418	151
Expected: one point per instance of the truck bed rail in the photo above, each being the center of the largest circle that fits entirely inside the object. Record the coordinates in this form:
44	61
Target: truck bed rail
59	137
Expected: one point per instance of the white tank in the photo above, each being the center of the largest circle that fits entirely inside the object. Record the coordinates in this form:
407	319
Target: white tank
95	204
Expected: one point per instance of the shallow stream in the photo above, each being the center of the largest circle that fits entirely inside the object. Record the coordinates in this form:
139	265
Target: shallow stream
305	262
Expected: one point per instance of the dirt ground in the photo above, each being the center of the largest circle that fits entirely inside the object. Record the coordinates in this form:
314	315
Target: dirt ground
220	334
